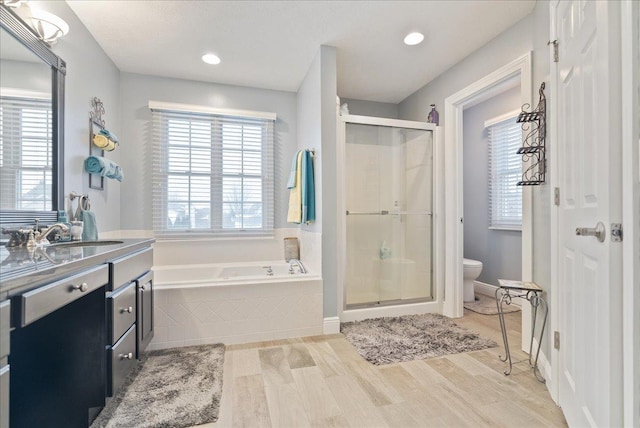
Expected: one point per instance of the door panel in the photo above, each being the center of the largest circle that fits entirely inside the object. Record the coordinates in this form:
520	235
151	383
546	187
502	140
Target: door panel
590	382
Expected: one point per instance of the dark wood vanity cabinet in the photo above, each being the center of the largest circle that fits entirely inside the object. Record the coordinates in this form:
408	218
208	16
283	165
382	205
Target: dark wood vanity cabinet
5	322
144	313
74	336
130	309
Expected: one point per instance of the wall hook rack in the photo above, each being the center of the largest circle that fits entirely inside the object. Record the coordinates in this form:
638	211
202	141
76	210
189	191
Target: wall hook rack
534	124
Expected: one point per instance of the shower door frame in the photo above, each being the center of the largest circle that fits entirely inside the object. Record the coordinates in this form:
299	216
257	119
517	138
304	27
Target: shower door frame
392	308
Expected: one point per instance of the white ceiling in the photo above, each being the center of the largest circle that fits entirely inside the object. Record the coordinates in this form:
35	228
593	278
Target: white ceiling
271	44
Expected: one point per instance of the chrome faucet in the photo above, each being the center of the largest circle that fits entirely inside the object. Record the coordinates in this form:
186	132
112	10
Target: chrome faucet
41	237
297	262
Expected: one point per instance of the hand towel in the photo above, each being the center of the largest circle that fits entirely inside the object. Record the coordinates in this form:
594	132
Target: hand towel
104	167
109	135
308	189
88	218
295	194
292	175
104	143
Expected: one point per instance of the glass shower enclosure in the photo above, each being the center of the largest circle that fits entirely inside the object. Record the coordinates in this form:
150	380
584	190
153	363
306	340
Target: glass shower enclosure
388	173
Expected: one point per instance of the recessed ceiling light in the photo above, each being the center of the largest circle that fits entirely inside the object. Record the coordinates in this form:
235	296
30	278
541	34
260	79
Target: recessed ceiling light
211	59
413	38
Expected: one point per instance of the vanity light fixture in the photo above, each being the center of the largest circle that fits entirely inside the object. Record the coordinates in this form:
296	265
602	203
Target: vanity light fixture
211	59
48	26
412	39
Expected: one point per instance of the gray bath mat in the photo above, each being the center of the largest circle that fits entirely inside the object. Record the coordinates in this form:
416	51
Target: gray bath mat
170	388
411	337
487	306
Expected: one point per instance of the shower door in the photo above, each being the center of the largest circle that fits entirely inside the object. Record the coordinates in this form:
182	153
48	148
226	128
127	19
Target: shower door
388	173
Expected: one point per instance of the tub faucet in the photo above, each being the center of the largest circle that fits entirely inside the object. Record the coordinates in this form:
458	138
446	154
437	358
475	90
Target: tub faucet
41	237
297	262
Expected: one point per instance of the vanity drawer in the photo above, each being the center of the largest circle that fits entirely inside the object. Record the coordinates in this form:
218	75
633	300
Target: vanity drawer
5	328
4	397
44	300
129	268
122	359
122	307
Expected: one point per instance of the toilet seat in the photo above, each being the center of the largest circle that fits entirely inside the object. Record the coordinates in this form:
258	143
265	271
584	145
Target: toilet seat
471	263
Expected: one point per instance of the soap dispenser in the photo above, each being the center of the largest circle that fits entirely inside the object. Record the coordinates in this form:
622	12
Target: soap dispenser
64	235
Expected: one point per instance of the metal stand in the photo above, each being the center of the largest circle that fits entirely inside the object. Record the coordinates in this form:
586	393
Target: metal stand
506	291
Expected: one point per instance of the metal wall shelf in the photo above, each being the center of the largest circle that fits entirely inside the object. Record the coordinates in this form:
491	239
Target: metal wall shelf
534	124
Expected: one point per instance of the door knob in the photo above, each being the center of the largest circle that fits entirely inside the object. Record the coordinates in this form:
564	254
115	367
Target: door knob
599	231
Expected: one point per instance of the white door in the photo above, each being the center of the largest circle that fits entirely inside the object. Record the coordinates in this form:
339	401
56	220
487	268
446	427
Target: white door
590	305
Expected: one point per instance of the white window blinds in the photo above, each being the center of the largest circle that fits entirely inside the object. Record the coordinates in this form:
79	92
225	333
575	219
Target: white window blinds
505	170
25	153
212	174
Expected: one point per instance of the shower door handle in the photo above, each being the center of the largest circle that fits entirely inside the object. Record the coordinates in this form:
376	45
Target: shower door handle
383	212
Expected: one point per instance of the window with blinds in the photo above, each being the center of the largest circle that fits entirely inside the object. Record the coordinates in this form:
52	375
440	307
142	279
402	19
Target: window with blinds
505	170
26	153
212	174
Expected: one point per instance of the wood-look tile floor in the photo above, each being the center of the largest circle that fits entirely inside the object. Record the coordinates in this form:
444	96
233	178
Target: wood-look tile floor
322	382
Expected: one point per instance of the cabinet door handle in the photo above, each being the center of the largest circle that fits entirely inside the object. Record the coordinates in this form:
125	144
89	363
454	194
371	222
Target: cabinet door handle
128	356
126	310
82	287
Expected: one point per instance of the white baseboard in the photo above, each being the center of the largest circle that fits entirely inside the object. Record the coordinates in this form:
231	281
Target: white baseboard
485	289
490	291
331	325
545	370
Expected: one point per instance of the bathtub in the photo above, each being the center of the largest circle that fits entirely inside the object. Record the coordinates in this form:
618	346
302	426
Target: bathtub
177	276
234	303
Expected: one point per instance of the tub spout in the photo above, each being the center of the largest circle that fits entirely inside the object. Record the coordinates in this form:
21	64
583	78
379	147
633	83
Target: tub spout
298	263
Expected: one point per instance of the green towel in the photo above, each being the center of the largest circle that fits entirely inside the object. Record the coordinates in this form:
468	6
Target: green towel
104	167
88	218
308	189
89	226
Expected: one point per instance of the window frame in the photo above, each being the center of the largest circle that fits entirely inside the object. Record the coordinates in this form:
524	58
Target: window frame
263	124
505	124
15	100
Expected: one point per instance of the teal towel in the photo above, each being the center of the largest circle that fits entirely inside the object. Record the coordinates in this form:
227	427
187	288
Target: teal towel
104	167
109	135
89	226
308	189
292	175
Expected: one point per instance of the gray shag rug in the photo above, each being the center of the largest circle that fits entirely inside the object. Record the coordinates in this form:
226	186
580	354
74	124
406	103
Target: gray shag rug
487	306
169	388
411	337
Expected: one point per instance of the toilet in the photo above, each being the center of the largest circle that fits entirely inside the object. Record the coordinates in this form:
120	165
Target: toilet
471	270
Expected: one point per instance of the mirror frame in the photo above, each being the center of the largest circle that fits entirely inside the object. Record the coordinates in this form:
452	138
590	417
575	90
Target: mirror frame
23	33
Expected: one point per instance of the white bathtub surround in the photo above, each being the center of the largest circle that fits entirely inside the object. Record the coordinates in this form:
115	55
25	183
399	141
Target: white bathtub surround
310	250
193	307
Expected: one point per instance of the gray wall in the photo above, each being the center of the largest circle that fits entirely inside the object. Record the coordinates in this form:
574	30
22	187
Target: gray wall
371	108
309	135
136	90
31	76
507	46
500	251
317	128
328	91
90	73
530	34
